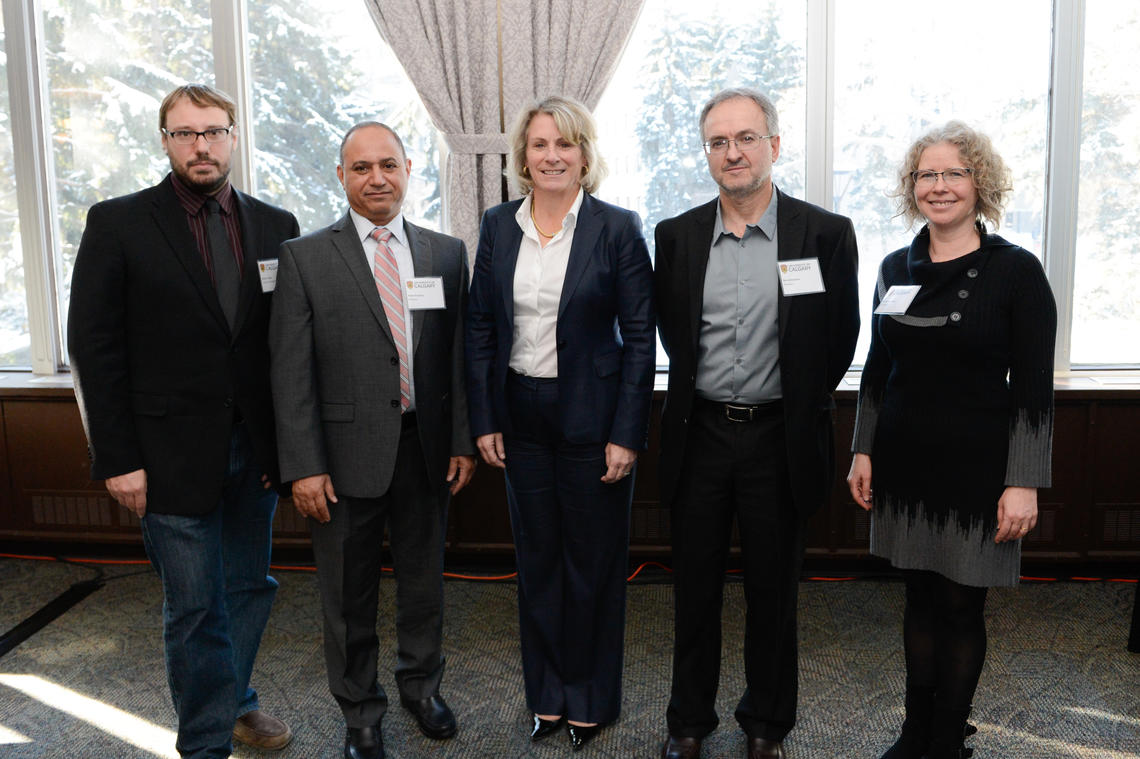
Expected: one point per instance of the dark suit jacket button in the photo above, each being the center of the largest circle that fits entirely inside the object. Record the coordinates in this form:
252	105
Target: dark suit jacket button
955	316
395	404
395	360
229	403
972	273
963	294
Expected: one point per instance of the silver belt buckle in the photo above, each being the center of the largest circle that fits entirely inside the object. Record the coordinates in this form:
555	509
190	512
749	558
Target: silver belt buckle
729	408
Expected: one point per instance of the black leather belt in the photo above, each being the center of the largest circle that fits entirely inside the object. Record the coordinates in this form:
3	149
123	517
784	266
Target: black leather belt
742	412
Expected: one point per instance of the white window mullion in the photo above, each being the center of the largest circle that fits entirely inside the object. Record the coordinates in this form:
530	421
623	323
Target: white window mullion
1064	168
819	81
35	179
231	72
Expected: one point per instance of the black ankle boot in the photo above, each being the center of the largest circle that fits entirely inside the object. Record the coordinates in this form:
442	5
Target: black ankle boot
915	737
948	731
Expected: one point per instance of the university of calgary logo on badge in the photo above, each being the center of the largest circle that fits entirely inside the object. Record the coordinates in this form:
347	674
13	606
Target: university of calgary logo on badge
783	268
408	284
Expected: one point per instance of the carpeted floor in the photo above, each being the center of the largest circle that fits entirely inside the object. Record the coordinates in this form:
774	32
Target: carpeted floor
1058	681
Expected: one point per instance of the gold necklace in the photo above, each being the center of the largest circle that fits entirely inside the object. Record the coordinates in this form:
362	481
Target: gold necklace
536	227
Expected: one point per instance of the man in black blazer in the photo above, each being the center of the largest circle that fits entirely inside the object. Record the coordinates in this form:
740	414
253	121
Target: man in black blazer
167	335
367	351
758	311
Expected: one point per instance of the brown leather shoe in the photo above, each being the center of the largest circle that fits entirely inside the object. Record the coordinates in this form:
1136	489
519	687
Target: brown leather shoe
681	748
259	730
762	748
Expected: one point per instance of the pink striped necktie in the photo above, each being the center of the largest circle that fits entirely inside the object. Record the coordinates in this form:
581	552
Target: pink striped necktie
387	275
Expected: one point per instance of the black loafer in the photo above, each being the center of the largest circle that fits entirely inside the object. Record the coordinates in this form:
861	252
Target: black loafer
364	743
433	715
580	735
544	727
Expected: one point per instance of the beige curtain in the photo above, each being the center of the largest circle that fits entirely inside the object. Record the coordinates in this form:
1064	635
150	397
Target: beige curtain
476	63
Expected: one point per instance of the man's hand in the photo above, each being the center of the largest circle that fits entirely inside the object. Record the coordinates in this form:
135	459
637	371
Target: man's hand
311	496
459	472
130	490
491	449
619	462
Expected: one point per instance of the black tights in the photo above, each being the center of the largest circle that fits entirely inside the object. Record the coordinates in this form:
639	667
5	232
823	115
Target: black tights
944	634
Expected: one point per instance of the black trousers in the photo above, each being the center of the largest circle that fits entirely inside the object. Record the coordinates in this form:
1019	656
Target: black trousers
735	471
571	536
348	553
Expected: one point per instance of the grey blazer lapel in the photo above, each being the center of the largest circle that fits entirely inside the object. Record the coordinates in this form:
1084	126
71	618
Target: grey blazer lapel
423	263
343	234
791	230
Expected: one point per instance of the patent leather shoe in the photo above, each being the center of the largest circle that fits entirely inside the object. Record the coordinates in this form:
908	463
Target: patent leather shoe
762	748
364	743
580	735
681	748
544	727
433	715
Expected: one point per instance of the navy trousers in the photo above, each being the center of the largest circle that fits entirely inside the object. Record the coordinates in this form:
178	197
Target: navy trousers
571	534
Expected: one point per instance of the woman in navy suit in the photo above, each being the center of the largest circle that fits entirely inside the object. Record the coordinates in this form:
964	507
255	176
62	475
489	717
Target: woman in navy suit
560	361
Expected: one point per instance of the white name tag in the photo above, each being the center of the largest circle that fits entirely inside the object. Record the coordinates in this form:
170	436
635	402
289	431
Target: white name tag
800	276
424	293
898	299
267	269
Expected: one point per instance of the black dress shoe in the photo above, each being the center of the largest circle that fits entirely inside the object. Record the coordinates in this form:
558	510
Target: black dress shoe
544	727
580	735
762	748
364	743
681	748
433	715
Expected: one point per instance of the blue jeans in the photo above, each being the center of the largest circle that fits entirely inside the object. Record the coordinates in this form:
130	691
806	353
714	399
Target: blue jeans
217	597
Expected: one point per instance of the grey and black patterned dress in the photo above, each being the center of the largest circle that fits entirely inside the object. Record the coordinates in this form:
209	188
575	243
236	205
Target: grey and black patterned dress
956	404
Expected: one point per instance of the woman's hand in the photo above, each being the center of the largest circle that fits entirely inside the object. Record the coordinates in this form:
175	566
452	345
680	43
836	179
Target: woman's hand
619	462
1017	513
859	480
491	449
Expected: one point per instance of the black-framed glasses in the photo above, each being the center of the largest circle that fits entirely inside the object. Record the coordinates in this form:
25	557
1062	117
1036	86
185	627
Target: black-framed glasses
189	136
949	176
744	143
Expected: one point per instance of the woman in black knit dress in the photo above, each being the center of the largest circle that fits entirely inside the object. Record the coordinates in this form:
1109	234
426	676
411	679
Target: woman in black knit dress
956	418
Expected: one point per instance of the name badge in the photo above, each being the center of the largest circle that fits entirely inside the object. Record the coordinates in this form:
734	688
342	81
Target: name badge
898	299
800	276
267	269
424	293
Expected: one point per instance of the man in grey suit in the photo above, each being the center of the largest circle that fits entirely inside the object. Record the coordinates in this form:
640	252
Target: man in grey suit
366	338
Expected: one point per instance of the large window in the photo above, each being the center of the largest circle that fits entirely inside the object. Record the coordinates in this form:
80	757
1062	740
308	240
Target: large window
106	75
1106	296
15	342
902	71
319	66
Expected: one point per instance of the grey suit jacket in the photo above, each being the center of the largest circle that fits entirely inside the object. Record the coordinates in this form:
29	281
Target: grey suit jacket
334	367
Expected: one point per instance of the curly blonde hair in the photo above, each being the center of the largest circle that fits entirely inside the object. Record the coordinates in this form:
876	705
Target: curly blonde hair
575	124
990	175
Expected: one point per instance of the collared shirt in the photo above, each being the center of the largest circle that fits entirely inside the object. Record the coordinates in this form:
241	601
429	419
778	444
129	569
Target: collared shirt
398	242
195	206
539	273
738	359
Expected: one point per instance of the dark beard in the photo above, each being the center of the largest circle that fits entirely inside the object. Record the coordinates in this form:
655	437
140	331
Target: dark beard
200	187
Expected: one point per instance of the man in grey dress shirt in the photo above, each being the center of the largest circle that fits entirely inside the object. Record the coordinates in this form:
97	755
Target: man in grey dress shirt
759	313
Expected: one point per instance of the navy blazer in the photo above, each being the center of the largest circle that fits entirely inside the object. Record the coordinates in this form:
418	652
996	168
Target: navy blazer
605	332
817	335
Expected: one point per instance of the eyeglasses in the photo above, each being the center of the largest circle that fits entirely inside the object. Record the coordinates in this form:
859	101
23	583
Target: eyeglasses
744	143
949	176
189	136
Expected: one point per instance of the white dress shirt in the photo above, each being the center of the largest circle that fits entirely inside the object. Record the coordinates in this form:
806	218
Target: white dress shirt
539	273
398	242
